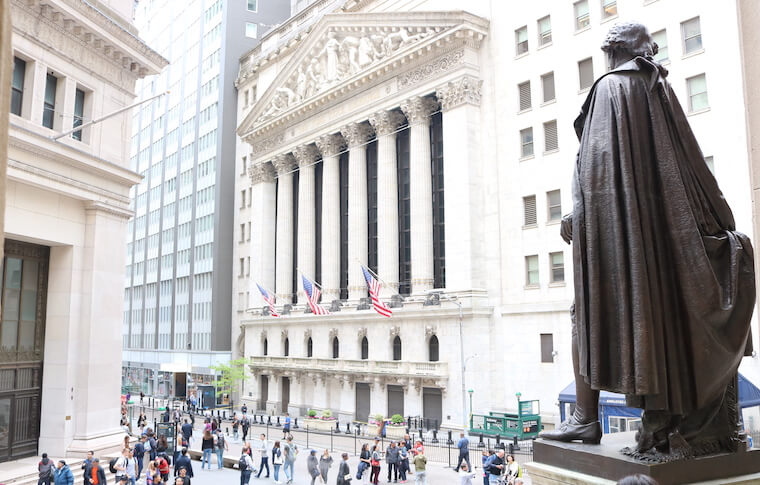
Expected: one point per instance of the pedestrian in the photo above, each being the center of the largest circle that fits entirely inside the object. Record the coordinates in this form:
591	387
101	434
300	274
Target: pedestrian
207	446
163	467
221	447
407	442
182	476
121	464
151	474
420	462
276	461
312	466
86	465
187	430
142	396
150	444
245	425
139	454
235	427
142	420
264	447
464	451
246	465
183	462
289	455
214	425
131	468
403	462
465	475
45	469
63	475
325	462
513	470
364	464
126	442
344	472
391	459
95	474
495	467
162	444
375	463
244	409
286	426
485	456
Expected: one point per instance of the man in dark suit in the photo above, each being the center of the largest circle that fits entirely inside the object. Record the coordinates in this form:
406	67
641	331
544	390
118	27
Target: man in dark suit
344	472
183	462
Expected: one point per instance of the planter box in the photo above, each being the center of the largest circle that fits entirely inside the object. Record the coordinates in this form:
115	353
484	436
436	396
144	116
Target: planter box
391	431
320	424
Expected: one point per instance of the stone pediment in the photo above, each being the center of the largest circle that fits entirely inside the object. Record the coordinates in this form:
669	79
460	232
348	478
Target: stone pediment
347	50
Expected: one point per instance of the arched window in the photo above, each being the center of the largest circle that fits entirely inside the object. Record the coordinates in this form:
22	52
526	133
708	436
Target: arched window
336	348
433	349
309	348
286	347
365	348
397	348
266	347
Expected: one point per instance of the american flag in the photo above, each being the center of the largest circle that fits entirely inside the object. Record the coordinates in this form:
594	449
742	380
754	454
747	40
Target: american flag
269	298
374	292
312	297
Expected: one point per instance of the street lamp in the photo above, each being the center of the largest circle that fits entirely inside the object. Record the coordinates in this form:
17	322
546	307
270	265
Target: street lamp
470	391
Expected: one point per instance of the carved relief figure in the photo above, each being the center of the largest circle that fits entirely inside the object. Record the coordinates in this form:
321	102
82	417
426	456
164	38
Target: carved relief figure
330	52
366	52
350	46
300	84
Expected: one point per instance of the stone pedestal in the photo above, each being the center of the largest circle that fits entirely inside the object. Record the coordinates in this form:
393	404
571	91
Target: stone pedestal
575	463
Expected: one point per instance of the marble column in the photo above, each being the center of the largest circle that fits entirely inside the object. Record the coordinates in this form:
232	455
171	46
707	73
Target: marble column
306	157
418	110
357	135
274	395
386	123
263	205
330	146
284	164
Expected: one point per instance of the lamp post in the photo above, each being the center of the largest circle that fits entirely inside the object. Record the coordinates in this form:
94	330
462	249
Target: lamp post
470	391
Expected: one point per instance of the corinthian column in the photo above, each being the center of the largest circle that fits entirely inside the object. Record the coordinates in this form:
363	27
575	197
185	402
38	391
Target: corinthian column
306	156
330	146
263	204
418	111
284	164
357	135
386	123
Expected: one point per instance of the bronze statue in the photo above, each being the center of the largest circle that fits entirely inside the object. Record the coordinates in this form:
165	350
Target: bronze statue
664	285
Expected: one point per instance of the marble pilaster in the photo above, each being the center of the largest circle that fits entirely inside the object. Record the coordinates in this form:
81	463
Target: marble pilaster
330	146
306	156
284	164
262	248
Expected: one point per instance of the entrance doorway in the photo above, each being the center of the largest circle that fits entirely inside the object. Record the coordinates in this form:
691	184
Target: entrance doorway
432	406
395	400
362	402
24	295
285	393
263	392
180	385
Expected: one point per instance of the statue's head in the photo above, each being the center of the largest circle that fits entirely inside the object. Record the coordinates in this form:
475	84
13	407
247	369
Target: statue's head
627	40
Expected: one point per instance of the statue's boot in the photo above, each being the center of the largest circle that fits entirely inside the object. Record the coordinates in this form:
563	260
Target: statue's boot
573	430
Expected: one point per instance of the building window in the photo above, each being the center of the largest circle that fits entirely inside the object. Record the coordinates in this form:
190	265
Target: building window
526	142
78	113
343	176
404	214
242	199
17	86
253	5
609	9
266	347
433	349
557	264
439	221
286	347
335	348
529	211
581	15
371	163
585	73
251	30
242	267
697	87
242	232
710	164
396	348
309	348
554	205
295	278
249	233
365	348
550	136
48	111
661	39
547	348
531	270
521	40
523	91
692	35
544	31
547	87
244	165
317	221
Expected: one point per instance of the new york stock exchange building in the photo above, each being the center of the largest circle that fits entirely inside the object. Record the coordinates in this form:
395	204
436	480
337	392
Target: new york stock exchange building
406	138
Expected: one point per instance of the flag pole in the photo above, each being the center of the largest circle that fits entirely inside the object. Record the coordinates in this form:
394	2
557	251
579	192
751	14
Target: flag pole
378	277
313	281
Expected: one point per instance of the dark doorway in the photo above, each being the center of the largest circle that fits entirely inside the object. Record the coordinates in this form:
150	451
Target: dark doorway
362	402
24	294
263	391
180	384
432	406
285	394
208	396
395	400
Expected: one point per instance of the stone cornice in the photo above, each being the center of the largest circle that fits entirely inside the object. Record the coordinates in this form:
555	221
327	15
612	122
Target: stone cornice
464	90
109	209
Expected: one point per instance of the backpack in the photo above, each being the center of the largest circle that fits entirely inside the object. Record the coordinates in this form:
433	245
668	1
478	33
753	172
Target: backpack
112	464
220	441
243	463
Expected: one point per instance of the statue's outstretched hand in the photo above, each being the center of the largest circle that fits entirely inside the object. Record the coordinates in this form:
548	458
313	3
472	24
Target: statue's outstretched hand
566	228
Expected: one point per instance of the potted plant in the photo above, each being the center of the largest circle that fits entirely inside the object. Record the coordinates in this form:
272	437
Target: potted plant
323	421
375	424
396	427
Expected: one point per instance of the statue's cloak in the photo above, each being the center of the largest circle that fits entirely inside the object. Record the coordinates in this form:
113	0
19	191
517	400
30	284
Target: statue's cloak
664	284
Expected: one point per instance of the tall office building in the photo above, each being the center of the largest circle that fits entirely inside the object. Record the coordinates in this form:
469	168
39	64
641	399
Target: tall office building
177	287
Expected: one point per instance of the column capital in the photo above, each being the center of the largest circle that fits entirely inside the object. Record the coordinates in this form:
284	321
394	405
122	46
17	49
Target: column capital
464	90
306	154
418	109
262	172
357	133
284	163
386	122
331	144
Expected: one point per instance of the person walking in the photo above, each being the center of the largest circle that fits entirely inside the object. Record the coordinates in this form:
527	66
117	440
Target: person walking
131	468
245	425
465	475
185	462
312	466
221	447
286	426
183	478
485	457
187	430
235	427
420	462
325	462
289	458
86	465
45	470
375	463
246	466
207	446
139	454
495	467
403	462
163	467
121	464
464	452
264	447
63	475
244	409
95	474
344	472
276	461
151	474
391	459
364	464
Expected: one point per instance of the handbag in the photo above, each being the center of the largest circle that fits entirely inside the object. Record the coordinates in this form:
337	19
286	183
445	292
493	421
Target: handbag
347	477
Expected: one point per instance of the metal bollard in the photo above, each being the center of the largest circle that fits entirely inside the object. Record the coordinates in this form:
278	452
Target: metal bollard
435	436
348	428
278	422
421	435
450	441
269	420
480	443
295	423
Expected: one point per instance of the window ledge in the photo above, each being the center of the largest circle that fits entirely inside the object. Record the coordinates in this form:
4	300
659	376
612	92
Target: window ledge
526	110
693	53
532	287
544	46
698	112
547	103
520	56
530	226
557	284
607	19
584	29
553	222
551	152
529	157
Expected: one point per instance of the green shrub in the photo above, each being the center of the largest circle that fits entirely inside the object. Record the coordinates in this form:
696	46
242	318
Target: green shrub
379	418
312	413
397	419
327	413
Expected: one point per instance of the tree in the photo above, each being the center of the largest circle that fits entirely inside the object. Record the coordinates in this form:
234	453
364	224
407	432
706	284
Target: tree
229	376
